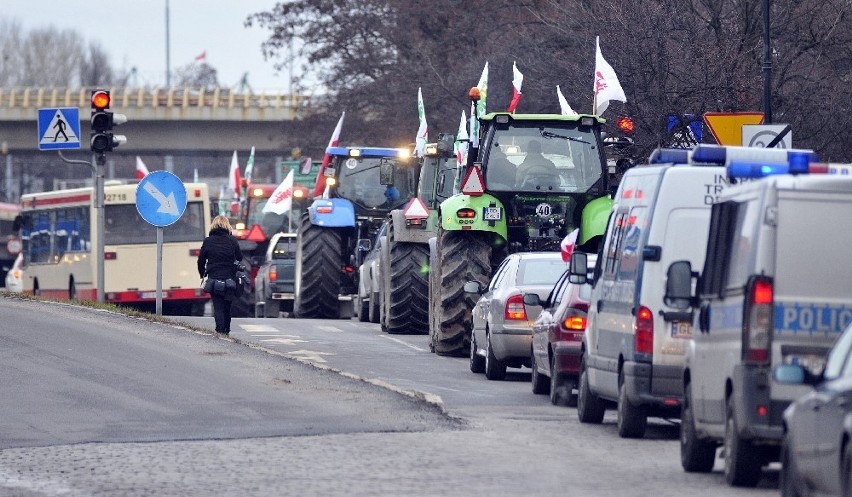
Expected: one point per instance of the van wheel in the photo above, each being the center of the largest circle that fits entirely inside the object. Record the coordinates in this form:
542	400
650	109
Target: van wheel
590	409
632	420
742	460
846	475
696	455
540	384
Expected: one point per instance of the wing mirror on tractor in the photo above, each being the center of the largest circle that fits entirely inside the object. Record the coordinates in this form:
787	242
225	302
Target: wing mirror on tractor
386	172
445	144
364	244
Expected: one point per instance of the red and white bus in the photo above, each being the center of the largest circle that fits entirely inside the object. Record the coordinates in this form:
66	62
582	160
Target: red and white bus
59	236
10	242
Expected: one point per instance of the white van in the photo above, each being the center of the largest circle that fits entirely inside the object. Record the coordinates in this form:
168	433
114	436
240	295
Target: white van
776	288
634	344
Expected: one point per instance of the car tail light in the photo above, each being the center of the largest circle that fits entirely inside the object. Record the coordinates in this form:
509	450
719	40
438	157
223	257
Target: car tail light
643	327
273	273
758	322
194	252
110	256
515	309
573	325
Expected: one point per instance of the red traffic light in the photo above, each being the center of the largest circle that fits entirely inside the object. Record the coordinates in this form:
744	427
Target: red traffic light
624	124
100	99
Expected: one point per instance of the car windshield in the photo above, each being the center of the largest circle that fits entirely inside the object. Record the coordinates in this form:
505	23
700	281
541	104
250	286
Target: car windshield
543	159
540	271
359	182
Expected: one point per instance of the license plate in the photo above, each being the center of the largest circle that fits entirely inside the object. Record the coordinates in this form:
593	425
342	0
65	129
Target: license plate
681	329
492	214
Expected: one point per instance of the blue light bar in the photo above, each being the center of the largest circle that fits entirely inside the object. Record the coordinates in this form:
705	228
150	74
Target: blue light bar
669	156
719	154
753	171
365	151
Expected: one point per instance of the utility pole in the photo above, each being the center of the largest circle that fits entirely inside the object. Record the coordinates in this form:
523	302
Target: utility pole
767	67
168	51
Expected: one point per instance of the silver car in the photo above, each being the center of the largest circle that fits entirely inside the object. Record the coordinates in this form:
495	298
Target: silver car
502	324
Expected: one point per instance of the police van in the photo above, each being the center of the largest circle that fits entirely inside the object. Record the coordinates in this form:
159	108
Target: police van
774	289
634	344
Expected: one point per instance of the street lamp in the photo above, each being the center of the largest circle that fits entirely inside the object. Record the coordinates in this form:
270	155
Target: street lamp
767	67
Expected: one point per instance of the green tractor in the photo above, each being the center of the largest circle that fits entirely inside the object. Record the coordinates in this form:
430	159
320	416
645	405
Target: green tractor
404	290
529	181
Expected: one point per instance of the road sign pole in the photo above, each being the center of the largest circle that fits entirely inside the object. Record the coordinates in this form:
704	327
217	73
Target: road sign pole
159	270
98	179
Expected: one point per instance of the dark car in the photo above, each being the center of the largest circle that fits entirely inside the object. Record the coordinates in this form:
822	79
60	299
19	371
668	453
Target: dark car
276	277
817	450
558	338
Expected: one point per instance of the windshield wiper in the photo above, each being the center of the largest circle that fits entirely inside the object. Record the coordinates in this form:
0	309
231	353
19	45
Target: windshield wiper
548	134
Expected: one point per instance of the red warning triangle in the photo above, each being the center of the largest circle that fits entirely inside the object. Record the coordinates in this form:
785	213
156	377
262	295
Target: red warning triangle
416	209
473	183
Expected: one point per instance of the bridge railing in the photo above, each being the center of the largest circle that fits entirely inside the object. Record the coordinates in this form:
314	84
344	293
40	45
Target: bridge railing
153	98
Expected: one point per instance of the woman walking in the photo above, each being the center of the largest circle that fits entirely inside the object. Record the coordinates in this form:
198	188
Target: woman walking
217	260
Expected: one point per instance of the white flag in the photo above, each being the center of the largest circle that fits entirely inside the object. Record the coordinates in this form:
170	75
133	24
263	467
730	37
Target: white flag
607	86
281	199
423	130
234	176
460	146
479	110
564	108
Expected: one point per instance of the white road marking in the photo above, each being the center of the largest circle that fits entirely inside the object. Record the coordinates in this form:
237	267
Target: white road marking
258	327
331	329
284	341
397	340
309	355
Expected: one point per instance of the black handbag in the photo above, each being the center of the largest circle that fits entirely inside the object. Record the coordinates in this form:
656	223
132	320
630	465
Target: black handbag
243	285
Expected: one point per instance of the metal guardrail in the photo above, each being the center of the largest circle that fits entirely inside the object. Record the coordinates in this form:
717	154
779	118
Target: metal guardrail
152	98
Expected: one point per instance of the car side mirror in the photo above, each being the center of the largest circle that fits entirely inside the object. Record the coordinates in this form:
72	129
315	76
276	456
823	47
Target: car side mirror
473	287
533	299
578	268
679	285
364	244
386	172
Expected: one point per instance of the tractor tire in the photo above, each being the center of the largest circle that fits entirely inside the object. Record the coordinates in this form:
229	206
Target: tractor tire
318	263
405	286
462	257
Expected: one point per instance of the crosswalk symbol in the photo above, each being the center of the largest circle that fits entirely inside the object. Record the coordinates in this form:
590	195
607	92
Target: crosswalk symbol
59	129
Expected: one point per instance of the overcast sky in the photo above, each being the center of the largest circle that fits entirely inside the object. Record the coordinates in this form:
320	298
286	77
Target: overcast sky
133	32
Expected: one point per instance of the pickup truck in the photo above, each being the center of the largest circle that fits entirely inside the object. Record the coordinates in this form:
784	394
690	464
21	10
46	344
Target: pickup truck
275	282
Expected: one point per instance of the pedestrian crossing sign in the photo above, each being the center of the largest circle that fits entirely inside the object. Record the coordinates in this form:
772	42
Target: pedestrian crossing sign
59	129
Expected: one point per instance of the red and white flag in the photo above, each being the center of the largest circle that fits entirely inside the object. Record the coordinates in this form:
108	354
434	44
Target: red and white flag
202	56
460	146
517	79
234	176
141	170
607	86
281	199
326	160
568	244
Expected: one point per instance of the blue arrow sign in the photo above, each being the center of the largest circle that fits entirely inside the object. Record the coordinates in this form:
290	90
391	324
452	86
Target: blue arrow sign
161	198
59	129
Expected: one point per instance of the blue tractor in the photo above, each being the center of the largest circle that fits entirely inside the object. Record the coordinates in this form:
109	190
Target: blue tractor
354	194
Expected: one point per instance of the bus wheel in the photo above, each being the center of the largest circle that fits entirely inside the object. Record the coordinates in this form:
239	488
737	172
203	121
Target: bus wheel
36	289
72	290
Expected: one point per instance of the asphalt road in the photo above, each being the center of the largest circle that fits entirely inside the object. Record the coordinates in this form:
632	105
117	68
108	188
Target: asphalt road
99	404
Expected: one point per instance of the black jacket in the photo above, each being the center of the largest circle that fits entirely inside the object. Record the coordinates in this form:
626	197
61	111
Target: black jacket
218	253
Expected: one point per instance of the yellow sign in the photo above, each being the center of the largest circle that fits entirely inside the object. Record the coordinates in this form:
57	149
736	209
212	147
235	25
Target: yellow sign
727	127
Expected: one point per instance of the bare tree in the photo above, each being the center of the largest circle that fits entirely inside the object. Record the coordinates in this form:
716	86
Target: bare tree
197	75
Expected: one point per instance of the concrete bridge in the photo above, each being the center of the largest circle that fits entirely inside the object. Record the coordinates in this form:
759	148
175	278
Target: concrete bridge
179	129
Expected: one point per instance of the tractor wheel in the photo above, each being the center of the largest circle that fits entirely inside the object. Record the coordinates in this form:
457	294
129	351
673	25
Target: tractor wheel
318	263
462	257
406	286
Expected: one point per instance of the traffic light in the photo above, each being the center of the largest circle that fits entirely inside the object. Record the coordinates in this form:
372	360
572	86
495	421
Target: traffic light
103	140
